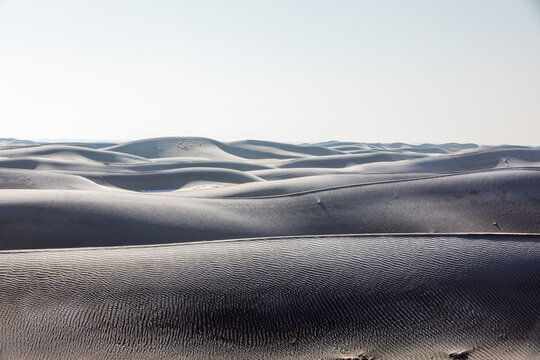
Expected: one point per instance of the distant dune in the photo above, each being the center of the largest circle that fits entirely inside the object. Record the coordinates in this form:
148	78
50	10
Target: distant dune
168	190
191	248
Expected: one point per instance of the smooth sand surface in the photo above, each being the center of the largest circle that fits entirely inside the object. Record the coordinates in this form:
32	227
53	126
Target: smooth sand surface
135	250
169	190
495	201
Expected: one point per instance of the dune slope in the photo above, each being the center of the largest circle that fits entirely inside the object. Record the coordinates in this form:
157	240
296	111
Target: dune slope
497	201
353	297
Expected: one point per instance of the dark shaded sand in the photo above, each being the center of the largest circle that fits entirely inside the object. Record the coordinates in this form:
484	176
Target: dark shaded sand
349	297
453	274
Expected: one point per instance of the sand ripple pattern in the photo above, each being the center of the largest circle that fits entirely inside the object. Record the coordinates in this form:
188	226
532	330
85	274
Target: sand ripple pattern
373	297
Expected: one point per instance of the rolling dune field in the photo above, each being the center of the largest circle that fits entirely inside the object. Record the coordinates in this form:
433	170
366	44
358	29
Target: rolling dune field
191	248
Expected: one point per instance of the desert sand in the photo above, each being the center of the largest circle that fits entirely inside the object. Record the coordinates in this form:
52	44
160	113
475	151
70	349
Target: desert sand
191	248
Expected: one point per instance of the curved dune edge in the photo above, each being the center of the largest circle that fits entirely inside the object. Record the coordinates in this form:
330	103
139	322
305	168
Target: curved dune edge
243	192
331	298
471	235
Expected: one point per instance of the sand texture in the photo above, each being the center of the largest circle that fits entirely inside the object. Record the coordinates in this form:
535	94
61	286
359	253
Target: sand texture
191	248
350	297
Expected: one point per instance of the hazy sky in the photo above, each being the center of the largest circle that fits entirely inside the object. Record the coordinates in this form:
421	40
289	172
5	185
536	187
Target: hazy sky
304	70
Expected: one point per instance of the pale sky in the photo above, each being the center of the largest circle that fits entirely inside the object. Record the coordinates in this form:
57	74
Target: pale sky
282	70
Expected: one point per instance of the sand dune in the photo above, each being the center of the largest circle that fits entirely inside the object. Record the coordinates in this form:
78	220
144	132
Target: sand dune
64	152
399	146
28	179
285	150
299	184
484	159
496	201
173	179
147	250
336	161
289	173
175	147
177	163
370	192
206	149
8	143
353	297
135	193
